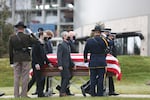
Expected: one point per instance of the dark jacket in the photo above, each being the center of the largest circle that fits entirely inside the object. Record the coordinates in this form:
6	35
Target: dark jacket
113	49
48	47
18	47
74	46
39	55
97	51
63	55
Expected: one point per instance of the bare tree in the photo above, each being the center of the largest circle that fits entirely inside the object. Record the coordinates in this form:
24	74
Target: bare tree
4	32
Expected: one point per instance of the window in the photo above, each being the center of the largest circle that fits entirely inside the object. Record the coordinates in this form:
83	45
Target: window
38	2
54	13
47	1
39	13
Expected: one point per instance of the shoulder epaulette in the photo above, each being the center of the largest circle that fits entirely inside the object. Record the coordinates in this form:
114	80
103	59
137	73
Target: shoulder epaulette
105	41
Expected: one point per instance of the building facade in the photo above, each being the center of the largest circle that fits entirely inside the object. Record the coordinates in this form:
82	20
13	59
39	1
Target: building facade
56	12
122	16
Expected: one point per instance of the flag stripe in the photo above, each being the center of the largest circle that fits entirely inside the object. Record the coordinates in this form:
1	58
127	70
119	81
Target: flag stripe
112	62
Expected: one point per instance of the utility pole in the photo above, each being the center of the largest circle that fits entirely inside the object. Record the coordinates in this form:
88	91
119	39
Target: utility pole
58	15
43	12
13	11
1	20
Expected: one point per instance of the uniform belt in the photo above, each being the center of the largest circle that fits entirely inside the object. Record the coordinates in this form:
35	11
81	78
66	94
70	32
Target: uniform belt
99	53
97	67
22	50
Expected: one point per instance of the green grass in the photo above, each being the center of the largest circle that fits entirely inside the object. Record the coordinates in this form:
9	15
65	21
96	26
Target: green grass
135	68
6	73
79	98
135	73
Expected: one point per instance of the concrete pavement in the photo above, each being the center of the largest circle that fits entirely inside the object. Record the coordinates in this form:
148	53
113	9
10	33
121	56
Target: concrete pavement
80	95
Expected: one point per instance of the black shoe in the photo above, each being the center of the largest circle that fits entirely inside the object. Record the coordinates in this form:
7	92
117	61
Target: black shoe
1	94
35	93
113	93
42	95
62	94
58	87
70	94
83	91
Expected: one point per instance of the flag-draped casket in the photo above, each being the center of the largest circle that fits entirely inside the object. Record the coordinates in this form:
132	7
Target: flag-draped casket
113	65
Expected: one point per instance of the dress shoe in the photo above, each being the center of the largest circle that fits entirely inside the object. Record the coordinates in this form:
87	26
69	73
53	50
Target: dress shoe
35	93
58	87
1	94
42	95
83	91
113	93
70	94
62	94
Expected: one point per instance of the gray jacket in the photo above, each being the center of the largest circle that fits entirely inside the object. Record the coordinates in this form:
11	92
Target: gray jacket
63	55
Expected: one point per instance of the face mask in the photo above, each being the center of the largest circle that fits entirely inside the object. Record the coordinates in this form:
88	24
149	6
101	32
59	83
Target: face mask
45	38
49	38
68	38
74	37
107	35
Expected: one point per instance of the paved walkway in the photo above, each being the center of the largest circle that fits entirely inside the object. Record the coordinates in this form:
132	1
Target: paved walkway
134	96
80	95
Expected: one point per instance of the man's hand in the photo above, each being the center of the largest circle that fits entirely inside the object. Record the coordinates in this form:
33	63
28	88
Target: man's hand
12	65
50	65
106	69
37	66
74	67
60	68
85	60
28	31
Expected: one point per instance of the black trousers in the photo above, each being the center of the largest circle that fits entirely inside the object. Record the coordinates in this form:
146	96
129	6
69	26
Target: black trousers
47	83
111	85
32	81
40	80
65	78
96	79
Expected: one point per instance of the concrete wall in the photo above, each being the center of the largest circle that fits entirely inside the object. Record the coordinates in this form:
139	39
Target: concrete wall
132	24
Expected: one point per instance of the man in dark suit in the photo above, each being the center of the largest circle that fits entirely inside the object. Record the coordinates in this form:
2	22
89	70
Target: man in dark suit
113	51
19	55
74	44
48	47
96	47
64	63
106	33
33	79
39	59
74	49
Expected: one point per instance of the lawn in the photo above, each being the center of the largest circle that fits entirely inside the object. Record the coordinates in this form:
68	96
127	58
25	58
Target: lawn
135	73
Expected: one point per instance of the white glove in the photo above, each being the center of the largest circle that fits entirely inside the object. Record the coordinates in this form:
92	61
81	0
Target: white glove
28	31
12	65
37	66
60	68
50	65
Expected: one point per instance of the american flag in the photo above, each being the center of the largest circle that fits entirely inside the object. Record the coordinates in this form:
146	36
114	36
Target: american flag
113	65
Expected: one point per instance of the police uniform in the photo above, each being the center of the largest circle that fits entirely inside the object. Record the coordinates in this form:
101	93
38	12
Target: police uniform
113	51
19	55
96	47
